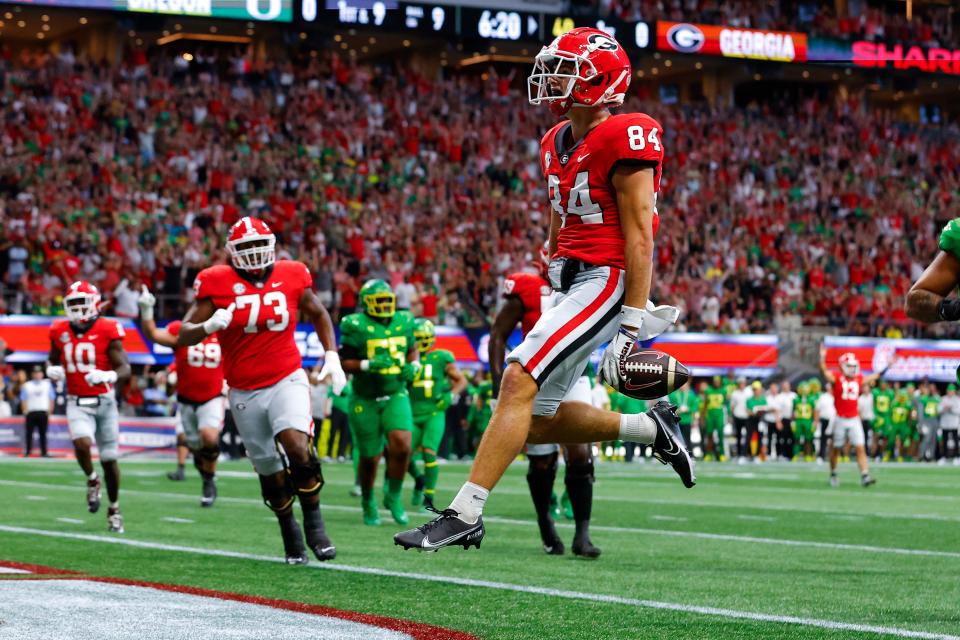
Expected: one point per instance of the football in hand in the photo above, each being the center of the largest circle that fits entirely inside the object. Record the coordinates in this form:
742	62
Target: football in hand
648	374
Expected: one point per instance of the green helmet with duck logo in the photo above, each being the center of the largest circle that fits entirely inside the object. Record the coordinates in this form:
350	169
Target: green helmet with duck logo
377	299
425	334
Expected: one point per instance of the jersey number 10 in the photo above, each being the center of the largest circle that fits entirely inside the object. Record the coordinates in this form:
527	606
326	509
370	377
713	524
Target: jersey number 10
81	357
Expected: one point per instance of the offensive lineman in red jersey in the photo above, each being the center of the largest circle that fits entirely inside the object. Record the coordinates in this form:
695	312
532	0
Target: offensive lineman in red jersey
199	394
603	173
847	426
527	295
253	304
87	350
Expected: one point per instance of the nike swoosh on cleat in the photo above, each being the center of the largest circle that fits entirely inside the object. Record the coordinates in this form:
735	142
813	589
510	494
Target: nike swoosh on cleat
426	544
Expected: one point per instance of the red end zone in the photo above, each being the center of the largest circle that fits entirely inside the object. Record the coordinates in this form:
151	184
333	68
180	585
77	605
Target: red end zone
411	629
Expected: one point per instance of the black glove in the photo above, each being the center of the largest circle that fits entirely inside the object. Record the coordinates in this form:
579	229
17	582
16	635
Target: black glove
949	309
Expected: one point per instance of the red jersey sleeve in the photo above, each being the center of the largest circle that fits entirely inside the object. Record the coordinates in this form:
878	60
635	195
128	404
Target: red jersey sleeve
635	140
203	285
305	274
115	331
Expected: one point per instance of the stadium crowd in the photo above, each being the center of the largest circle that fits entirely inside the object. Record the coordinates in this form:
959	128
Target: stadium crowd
932	24
130	175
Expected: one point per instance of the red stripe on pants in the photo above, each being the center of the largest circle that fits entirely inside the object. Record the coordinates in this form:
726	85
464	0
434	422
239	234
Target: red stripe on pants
608	292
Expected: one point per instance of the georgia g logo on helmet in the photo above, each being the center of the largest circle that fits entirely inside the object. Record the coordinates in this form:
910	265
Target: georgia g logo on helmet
601	42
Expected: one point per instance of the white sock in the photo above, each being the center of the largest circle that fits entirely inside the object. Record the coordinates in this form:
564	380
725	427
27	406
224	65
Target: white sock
92	476
469	502
115	505
637	427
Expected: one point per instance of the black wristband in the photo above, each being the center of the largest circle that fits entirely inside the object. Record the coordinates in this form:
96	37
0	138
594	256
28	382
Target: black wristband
949	309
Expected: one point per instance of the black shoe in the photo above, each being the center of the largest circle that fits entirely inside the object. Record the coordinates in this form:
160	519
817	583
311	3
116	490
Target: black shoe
209	492
293	547
93	495
552	545
176	476
445	530
669	446
867	480
584	548
316	534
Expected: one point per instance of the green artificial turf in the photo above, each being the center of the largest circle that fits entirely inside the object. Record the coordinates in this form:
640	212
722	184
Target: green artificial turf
647	524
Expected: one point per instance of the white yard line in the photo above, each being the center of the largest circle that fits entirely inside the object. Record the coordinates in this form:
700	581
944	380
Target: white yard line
813	544
70	520
35	498
506	586
744	516
178	520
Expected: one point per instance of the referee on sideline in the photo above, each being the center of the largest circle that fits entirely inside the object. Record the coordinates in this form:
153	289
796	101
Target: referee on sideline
36	403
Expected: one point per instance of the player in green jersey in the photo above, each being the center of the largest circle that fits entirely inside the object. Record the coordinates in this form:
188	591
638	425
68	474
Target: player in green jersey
379	349
431	393
688	406
928	421
341	403
803	429
715	409
481	409
900	434
882	406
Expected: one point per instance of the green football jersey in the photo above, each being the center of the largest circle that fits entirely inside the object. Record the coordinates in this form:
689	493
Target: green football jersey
370	337
626	404
928	407
688	404
950	238
716	400
900	412
342	401
803	408
431	385
882	402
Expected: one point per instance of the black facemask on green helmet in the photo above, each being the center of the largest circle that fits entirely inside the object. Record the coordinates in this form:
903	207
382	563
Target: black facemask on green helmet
377	299
425	334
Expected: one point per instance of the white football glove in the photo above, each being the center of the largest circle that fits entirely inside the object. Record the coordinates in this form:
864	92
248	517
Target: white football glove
220	319
55	372
332	368
146	302
645	324
97	376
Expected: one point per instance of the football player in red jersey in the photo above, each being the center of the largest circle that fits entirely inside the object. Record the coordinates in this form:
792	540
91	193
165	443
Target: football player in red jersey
199	373
847	426
526	296
87	350
252	304
603	173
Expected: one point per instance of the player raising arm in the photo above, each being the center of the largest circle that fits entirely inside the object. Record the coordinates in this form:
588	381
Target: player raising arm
603	173
87	350
847	426
199	394
252	305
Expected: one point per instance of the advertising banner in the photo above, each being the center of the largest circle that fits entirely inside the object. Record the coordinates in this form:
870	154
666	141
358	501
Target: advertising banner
137	435
936	360
877	55
731	42
708	354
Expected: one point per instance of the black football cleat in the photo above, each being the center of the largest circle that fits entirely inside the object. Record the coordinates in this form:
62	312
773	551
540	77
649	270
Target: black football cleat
209	495
669	446
176	476
293	548
583	547
867	480
316	534
552	545
93	495
446	530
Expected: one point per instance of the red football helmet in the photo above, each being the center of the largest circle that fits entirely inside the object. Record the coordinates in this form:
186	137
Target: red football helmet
849	365
251	244
584	67
81	302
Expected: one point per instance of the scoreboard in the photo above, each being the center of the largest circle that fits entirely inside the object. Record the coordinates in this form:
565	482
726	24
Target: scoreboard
260	10
480	23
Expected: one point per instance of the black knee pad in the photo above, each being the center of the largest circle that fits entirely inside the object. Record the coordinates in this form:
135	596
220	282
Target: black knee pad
281	494
542	465
580	471
307	478
210	454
